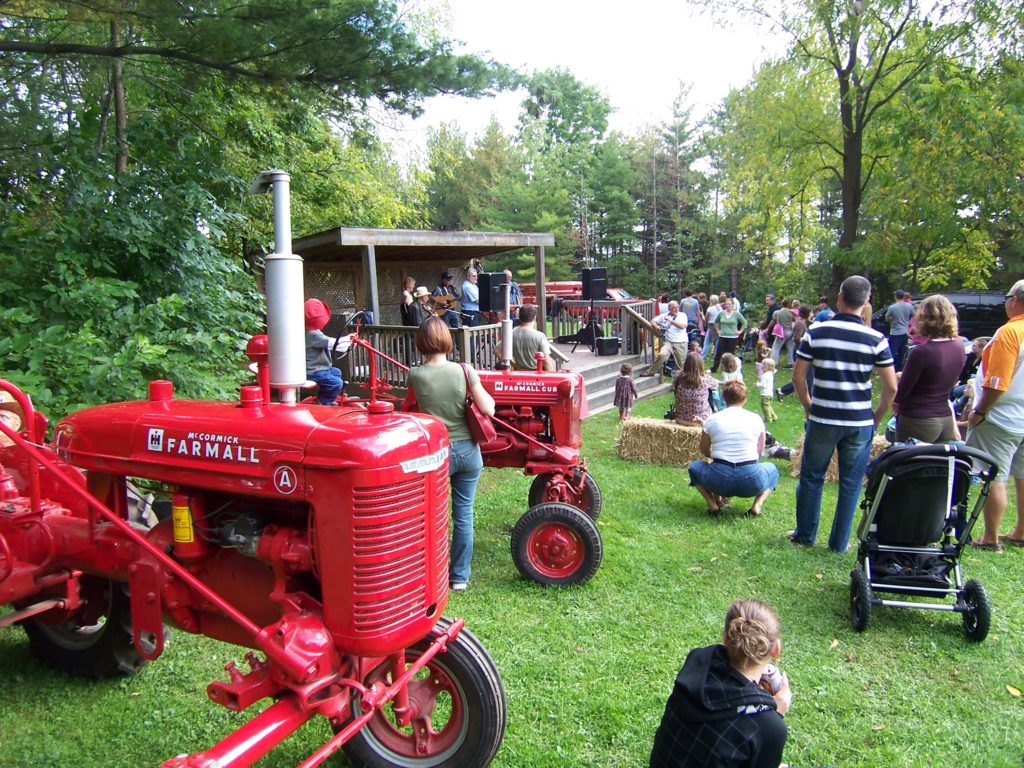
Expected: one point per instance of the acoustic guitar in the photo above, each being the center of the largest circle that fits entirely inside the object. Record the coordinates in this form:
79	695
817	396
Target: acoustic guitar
445	302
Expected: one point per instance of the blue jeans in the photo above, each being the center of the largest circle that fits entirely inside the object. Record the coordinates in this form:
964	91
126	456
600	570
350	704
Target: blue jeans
789	388
820	441
464	466
710	340
330	384
898	347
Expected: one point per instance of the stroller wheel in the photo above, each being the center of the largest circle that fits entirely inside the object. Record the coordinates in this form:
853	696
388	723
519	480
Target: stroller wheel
860	600
977	613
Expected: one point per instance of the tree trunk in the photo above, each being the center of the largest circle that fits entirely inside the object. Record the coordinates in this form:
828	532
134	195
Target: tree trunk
117	86
853	145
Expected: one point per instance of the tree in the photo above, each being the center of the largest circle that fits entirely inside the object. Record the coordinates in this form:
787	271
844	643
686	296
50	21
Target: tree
122	258
873	51
447	193
342	53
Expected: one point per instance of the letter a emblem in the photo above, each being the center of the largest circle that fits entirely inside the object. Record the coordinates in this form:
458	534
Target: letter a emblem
285	480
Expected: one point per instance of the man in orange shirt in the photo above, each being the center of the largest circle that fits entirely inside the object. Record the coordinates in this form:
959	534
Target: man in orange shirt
997	423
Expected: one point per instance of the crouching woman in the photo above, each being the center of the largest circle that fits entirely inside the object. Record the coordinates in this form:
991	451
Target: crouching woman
718	713
733	438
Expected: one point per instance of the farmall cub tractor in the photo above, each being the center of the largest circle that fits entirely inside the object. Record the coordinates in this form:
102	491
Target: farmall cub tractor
315	536
538	424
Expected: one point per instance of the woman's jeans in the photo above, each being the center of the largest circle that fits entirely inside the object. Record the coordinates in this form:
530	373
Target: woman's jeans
464	466
854	448
710	340
777	347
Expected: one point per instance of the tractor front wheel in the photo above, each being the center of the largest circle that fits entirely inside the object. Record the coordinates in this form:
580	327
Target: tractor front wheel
556	545
459	712
551	487
96	640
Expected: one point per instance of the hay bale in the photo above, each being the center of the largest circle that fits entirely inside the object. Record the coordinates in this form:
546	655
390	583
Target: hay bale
878	444
659	441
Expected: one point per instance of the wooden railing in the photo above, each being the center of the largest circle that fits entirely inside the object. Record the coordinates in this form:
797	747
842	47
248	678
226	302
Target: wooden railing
479	346
612	321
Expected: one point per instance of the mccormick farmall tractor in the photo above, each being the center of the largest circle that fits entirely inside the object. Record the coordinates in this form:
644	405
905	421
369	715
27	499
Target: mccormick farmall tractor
538	424
316	536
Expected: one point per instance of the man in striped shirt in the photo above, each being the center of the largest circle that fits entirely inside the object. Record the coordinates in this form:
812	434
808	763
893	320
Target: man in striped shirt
844	353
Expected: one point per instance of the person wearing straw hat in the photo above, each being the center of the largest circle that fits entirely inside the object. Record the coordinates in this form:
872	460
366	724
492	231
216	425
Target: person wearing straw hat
419	311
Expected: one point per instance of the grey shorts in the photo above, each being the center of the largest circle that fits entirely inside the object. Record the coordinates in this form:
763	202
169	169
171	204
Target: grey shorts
1007	449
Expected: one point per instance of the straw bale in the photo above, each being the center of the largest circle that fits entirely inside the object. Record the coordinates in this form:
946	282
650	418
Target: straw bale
659	441
878	444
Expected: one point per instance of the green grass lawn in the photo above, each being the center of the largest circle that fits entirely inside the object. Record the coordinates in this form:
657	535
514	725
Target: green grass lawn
587	669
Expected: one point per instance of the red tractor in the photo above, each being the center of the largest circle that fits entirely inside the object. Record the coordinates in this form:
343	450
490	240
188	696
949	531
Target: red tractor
538	422
315	536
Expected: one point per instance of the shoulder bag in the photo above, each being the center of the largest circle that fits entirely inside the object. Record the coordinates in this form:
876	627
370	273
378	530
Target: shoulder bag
480	426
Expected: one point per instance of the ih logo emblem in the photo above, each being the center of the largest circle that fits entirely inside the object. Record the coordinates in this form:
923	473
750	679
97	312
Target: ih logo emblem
156	440
285	480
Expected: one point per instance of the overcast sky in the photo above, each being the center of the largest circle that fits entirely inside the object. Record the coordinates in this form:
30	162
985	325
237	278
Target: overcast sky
636	53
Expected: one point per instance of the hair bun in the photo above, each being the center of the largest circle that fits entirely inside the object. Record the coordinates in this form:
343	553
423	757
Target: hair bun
751	631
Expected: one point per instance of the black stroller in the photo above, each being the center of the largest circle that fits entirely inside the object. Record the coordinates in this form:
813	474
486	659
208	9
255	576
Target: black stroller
914	526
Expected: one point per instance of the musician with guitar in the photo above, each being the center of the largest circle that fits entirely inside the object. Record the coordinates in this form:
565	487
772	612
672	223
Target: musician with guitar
674	339
446	302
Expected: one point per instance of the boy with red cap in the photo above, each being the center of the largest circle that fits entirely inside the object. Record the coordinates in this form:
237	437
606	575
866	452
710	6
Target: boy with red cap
319	347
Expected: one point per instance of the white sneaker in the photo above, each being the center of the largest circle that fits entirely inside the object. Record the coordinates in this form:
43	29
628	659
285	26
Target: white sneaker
459	586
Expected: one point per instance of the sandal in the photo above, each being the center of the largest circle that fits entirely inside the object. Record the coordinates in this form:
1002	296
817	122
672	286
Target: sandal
714	511
753	512
994	546
1008	539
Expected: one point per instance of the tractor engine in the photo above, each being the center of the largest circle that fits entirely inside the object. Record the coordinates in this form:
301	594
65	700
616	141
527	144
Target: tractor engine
545	406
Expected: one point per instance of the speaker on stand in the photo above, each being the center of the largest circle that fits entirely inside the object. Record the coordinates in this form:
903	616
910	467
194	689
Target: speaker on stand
595	283
493	295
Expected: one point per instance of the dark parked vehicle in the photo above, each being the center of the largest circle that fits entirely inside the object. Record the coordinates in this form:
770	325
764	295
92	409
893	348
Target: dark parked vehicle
980	313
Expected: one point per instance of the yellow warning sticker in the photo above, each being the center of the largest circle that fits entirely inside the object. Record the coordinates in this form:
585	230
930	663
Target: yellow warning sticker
182	520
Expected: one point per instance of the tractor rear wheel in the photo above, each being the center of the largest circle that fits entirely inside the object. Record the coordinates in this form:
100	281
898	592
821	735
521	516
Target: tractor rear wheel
459	712
543	489
96	640
556	545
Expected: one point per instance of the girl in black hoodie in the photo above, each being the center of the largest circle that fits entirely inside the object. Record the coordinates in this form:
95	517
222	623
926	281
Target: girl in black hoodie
718	715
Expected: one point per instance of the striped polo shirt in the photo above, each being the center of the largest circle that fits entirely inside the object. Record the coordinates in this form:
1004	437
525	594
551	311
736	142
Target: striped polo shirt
844	353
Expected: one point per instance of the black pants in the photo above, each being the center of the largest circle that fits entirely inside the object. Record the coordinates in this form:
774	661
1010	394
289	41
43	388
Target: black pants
724	345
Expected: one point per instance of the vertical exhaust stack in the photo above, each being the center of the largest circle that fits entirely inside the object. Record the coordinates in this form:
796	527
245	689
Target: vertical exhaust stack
285	293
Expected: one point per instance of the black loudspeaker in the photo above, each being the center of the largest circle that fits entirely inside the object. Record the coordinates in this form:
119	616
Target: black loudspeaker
492	292
595	283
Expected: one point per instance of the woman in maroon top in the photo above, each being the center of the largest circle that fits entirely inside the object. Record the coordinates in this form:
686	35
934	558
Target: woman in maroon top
922	403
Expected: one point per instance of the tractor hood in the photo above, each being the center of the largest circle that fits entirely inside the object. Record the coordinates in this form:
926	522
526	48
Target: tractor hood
248	446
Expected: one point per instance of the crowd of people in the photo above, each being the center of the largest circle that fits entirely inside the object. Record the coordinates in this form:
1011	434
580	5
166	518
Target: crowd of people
937	389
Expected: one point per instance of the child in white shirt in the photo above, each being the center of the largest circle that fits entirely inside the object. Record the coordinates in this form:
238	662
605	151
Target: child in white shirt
766	386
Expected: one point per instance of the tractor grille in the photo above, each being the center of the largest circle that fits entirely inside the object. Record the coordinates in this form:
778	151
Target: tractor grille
395	549
440	523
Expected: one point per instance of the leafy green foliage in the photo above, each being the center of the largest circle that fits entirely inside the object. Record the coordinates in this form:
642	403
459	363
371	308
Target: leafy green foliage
342	54
133	288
